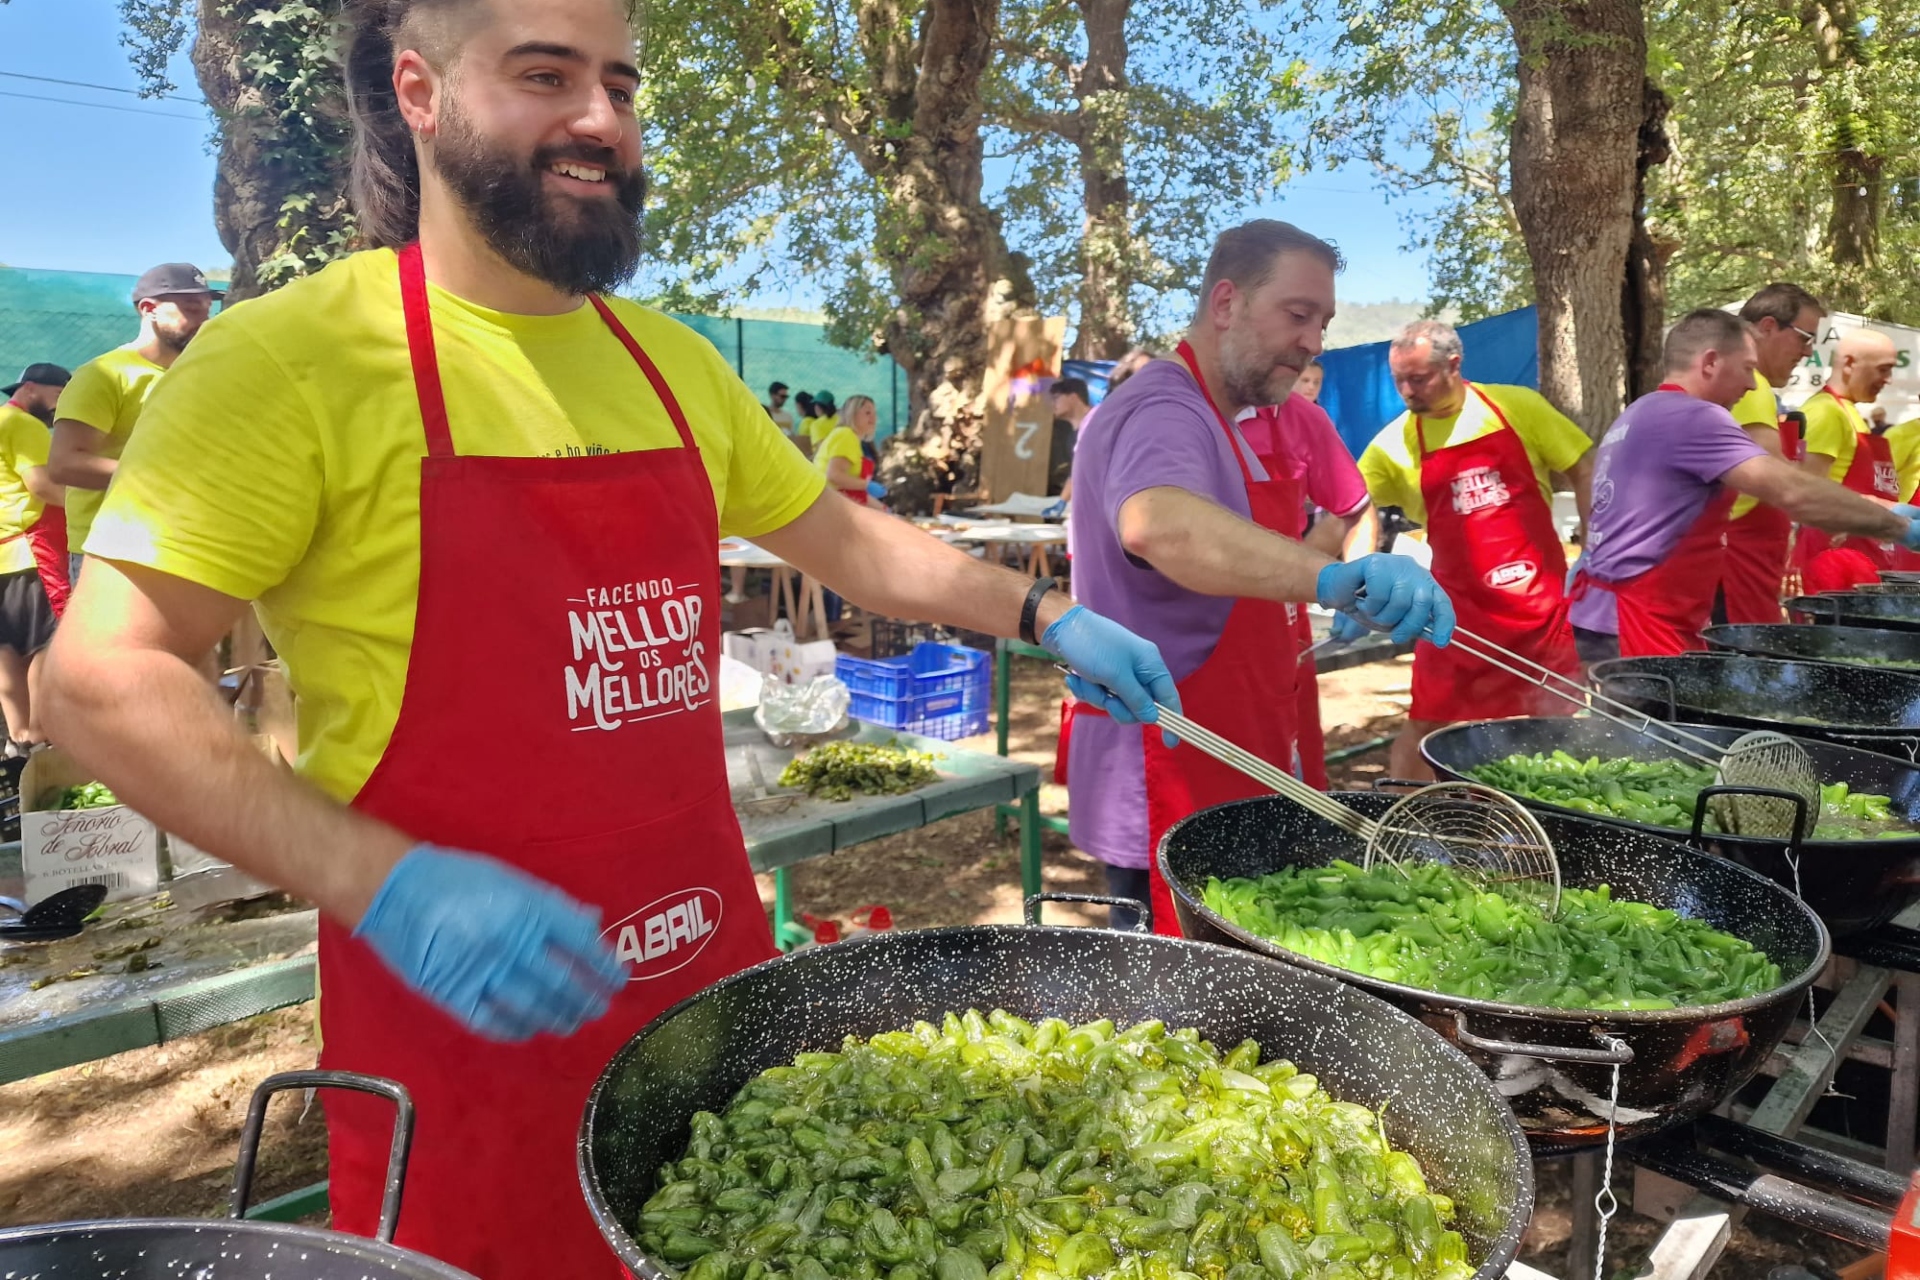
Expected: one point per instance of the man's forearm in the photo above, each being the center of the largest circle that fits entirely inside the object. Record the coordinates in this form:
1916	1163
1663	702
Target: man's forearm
1836	509
42	486
82	470
887	566
1363	534
1210	550
150	727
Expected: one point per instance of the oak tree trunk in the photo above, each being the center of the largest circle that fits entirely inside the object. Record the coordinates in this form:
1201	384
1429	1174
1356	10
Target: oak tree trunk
1574	150
1853	222
246	190
1643	300
1100	86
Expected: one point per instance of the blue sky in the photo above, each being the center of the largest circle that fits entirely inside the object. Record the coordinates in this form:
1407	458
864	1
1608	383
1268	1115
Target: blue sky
122	183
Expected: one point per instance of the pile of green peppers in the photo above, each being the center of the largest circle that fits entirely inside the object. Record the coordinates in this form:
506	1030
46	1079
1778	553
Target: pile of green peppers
990	1148
87	795
1661	793
842	770
1428	927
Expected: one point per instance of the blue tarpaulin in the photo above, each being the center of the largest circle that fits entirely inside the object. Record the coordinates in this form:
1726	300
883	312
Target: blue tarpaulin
1359	396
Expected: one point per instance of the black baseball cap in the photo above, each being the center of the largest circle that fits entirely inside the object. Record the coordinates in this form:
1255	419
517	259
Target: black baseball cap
47	375
173	279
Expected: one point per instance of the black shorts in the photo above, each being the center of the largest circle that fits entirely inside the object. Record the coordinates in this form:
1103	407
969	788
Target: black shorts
26	619
1595	647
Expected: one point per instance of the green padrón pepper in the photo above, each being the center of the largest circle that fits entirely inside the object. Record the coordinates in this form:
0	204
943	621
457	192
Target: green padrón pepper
990	1148
1661	793
842	770
1427	927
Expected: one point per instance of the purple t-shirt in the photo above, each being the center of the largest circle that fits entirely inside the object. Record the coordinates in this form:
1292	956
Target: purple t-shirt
1657	467
1156	430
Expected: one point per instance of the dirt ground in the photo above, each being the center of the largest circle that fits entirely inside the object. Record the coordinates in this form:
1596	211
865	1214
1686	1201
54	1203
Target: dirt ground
153	1133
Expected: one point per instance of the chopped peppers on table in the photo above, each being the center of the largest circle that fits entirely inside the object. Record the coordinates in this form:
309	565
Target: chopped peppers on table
1662	793
991	1148
842	770
87	795
1428	927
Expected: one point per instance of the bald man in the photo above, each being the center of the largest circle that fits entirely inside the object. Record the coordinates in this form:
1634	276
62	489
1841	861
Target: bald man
1841	446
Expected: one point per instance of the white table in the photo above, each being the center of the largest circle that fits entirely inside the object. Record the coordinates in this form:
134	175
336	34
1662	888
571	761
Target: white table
1029	540
805	604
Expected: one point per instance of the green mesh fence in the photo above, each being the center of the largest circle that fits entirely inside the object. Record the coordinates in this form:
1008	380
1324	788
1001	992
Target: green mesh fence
69	317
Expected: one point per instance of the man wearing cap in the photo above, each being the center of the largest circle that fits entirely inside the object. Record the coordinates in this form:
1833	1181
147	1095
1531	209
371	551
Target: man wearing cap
99	408
37	392
33	567
826	416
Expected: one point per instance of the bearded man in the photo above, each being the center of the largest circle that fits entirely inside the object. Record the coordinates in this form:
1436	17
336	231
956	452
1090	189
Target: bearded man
477	502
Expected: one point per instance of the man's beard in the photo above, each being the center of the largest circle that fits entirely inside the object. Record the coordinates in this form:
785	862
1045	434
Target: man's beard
576	245
1250	376
175	337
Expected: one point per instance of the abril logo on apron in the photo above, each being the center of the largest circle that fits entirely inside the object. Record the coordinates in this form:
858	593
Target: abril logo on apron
667	934
1478	488
636	654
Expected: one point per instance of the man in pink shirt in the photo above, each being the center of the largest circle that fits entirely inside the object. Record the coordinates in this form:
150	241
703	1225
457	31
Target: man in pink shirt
1297	440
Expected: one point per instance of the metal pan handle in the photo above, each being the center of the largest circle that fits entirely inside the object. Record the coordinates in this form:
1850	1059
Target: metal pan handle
1143	912
1651	677
396	1158
1397	784
1801	604
1617	1054
1800	824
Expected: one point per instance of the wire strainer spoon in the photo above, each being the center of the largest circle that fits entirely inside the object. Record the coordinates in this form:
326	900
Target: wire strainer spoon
1761	758
1486	836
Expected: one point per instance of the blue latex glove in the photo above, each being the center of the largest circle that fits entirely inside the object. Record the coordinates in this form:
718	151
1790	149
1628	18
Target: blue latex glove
1389	593
1113	668
1346	630
876	490
1055	511
1573	571
1911	539
506	954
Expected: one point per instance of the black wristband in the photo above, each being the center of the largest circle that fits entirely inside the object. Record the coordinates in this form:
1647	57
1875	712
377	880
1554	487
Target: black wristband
1030	611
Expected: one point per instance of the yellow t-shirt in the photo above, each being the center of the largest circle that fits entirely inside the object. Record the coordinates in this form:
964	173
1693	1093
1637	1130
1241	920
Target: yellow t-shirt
280	463
1833	428
23	444
1757	408
841	442
108	393
819	429
1391	464
1904	440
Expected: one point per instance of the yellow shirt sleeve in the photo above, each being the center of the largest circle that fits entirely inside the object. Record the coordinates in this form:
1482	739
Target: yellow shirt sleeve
222	484
1391	478
1549	435
23	446
1830	431
1904	440
93	397
1757	408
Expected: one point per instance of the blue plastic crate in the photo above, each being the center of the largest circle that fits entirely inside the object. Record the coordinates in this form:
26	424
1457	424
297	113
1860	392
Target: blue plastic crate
934	682
950	728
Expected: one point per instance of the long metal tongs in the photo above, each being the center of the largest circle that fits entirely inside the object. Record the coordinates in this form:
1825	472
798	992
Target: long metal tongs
1758	759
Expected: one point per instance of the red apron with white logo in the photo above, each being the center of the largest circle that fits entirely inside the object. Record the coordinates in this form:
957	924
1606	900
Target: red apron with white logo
1758	543
1662	611
1825	564
1245	690
601	675
1498	555
1310	738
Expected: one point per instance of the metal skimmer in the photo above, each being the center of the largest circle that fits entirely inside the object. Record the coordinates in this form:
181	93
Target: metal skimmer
1485	835
1762	759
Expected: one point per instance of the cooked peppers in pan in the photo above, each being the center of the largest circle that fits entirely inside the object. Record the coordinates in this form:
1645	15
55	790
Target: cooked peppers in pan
990	1148
1429	928
1661	793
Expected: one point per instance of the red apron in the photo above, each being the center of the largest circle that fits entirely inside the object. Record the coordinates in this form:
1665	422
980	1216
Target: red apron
1244	691
1825	562
48	538
1663	610
606	680
1310	738
1756	557
1498	555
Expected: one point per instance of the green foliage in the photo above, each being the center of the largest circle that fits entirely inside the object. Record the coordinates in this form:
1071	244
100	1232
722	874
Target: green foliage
155	30
295	110
1196	131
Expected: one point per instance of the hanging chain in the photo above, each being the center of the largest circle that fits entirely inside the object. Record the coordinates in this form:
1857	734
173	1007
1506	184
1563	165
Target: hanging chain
1604	1200
1813	1010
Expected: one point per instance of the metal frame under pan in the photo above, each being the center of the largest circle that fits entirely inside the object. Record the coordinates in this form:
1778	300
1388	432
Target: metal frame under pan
1551	1065
700	1053
1878	710
1840	646
1853	885
1855	609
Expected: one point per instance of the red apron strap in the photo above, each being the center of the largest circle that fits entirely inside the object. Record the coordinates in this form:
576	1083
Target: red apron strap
1185	351
647	367
426	365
